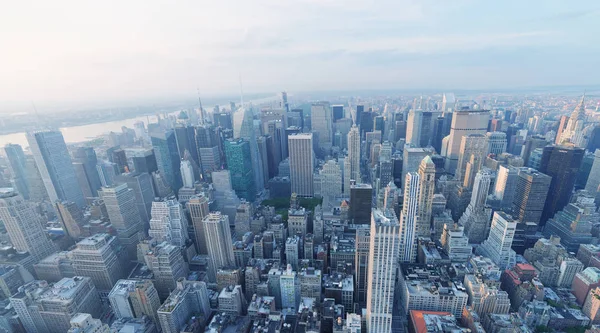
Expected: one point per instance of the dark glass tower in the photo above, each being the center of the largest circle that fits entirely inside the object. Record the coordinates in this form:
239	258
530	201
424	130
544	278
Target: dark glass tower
167	157
16	160
239	162
562	164
361	199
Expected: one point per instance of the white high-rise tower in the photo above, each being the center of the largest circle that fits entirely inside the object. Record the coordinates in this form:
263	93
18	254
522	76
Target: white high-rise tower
301	164
426	191
409	218
354	153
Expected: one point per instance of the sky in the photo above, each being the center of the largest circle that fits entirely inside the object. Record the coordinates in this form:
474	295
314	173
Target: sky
64	52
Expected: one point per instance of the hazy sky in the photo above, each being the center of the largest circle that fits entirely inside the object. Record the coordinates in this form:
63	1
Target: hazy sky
65	51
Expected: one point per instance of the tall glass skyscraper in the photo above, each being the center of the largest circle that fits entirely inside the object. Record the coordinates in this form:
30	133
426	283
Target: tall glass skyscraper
16	160
167	157
239	161
56	168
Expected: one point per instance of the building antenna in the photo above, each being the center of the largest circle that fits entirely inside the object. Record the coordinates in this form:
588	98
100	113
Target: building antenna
200	104
37	116
241	90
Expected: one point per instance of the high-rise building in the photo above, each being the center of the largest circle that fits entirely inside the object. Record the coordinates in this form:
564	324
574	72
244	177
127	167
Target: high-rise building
412	158
141	184
562	164
297	221
17	164
473	150
119	157
496	142
384	250
189	298
290	288
71	218
134	299
361	262
477	215
464	122
198	209
331	180
361	201
426	191
498	246
56	168
187	174
24	226
100	258
532	143
531	190
593	182
301	164
354	154
574	125
166	263
167	157
591	307
292	249
322	123
44	308
144	161
218	240
207	142
239	162
85	323
455	243
413	127
124	216
168	222
185	136
409	218
505	186
37	190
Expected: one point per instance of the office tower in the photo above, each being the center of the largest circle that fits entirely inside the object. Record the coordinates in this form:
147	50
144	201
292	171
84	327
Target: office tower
426	191
100	258
263	151
198	209
290	289
56	168
591	307
321	123
232	300
301	164
311	281
167	265
574	125
593	182
448	102
218	240
412	158
71	218
409	218
531	190
18	171
124	216
498	245
144	161
561	128
573	224
107	172
190	298
168	222
120	159
297	221
243	215
337	112
455	243
366	123
292	248
185	135
413	128
167	157
505	186
496	142
244	129
331	180
239	162
361	262
477	215
141	184
531	144
134	299
85	323
385	246
84	163
24	226
473	150
44	308
562	164
361	201
187	174
584	282
464	122
37	190
354	153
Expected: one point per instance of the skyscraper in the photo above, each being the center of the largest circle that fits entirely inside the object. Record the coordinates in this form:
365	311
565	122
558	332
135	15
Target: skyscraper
167	157
239	162
385	246
426	191
141	184
166	262
409	218
17	164
322	123
498	245
198	209
134	299
187	174
100	258
413	127
218	241
575	124
71	218
23	226
361	262
477	216
331	180
562	164
505	186
244	129
301	163
84	162
593	181
412	158
54	163
124	216
464	122
189	298
496	142
207	142
354	153
531	190
473	150
361	201
168	222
